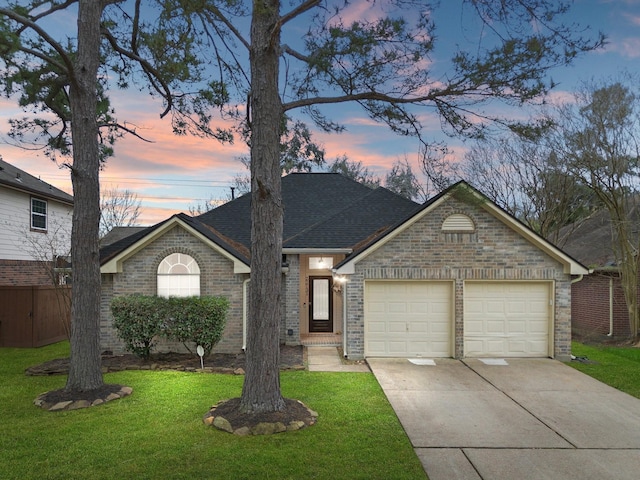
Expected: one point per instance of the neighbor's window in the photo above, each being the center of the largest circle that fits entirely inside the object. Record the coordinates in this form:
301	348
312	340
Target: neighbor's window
38	214
178	276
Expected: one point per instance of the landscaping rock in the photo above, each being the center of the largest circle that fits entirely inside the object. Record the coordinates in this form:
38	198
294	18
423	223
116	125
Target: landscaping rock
226	416
59	400
222	424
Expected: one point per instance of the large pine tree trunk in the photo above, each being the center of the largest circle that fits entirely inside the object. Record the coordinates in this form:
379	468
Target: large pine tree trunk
261	390
85	372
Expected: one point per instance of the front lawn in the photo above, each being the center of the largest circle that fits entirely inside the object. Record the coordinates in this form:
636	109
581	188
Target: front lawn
157	432
615	366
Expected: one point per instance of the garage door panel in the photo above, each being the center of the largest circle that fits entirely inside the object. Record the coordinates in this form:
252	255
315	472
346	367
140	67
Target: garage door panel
377	307
397	348
376	347
397	307
539	307
418	328
492	327
516	307
539	328
377	327
473	327
507	319
397	327
416	316
440	328
517	326
492	307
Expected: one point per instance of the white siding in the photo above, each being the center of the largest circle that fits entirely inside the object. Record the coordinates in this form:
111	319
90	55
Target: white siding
18	242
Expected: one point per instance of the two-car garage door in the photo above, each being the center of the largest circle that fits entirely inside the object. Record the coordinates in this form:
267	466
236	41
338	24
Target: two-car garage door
415	318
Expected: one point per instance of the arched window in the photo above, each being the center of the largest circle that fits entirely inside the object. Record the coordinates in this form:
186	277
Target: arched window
458	222
178	276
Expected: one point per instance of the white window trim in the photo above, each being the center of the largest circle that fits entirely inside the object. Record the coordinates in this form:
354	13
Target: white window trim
39	214
178	285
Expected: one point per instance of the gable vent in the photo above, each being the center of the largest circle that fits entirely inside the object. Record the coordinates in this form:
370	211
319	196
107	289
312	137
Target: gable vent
458	222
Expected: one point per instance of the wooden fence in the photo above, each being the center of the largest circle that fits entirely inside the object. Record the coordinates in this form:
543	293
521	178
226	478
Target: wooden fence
34	316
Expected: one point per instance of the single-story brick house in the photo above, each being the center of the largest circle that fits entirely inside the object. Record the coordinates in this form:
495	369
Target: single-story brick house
368	270
598	307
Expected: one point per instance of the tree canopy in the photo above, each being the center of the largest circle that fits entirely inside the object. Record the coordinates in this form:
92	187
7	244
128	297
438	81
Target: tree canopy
266	62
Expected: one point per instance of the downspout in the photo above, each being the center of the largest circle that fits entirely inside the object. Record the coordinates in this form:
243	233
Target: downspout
344	320
244	314
610	334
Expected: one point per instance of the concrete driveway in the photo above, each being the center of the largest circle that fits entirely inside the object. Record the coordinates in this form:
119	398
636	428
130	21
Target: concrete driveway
526	419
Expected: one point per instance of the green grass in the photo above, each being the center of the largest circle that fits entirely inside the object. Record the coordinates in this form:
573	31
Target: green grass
615	366
157	432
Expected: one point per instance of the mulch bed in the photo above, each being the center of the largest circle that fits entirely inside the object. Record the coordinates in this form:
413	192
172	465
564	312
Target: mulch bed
291	358
294	416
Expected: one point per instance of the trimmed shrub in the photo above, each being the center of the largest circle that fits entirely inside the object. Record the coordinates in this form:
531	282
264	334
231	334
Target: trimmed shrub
197	320
138	320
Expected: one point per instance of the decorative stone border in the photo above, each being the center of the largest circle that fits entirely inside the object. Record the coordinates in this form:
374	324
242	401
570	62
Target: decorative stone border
41	401
262	428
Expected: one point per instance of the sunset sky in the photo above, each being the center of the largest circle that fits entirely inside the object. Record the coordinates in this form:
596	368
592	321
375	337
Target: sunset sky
173	173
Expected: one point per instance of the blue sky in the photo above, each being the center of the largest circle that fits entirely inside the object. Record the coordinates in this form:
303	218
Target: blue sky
173	173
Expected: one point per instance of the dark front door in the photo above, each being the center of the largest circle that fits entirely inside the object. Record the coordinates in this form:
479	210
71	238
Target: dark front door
320	304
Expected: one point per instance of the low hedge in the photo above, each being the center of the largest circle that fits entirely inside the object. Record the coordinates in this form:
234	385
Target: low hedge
140	320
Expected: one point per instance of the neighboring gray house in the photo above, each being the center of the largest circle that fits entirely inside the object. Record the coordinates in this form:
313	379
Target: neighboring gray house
368	270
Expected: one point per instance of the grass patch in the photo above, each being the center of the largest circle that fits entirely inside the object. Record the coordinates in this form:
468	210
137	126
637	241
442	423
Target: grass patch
615	366
157	432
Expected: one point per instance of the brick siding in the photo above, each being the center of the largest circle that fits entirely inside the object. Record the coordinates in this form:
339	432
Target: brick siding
590	307
291	303
493	252
139	275
20	273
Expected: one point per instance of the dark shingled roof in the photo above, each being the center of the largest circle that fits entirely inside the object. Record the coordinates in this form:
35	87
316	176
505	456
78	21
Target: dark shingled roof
590	241
237	250
118	233
321	211
369	215
17	179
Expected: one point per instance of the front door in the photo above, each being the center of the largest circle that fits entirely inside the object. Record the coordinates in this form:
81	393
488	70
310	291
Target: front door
320	304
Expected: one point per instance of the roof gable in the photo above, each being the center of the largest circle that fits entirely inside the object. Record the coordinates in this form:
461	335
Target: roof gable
325	212
112	256
466	193
14	178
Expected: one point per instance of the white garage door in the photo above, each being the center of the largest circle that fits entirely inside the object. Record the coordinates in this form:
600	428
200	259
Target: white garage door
404	319
505	319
